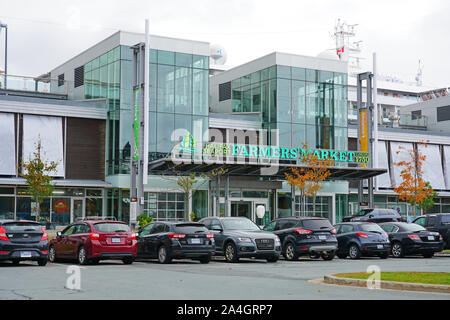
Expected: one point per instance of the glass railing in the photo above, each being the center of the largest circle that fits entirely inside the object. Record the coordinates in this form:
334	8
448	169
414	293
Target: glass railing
31	84
408	120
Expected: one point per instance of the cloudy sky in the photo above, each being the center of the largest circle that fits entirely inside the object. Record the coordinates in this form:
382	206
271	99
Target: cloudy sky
44	34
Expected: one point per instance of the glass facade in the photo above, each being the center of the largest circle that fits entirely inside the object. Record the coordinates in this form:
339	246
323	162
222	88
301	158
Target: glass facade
178	95
304	105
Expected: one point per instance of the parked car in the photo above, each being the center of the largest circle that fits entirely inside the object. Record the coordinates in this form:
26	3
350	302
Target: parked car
305	236
239	237
90	241
439	222
175	240
23	240
410	238
375	215
356	239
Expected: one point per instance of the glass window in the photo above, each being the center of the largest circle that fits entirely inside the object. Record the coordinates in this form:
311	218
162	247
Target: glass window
255	77
61	211
420	221
93	193
147	229
153	56
165	127
201	62
270	226
183	90
256	97
96	63
183	59
152	133
7	207
166	88
273	100
69	230
166	57
283	100
284	72
312	75
94	207
103	59
246	99
284	133
298	73
236	96
126	53
200	92
311	102
23	210
298	134
111	227
239	224
245	80
183	122
325	76
236	83
346	228
299	101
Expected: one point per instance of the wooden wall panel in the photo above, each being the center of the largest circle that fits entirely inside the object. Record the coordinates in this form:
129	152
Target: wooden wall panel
85	149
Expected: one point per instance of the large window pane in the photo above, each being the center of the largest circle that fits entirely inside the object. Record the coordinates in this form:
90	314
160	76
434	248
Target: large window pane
284	72
183	90
166	88
284	133
201	62
311	102
152	134
298	134
166	57
61	211
299	101
6	208
298	73
153	96
165	123
183	59
200	92
236	96
283	100
256	97
273	100
265	101
246	99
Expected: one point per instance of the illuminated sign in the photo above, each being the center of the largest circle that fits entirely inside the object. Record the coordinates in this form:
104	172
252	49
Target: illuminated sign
189	146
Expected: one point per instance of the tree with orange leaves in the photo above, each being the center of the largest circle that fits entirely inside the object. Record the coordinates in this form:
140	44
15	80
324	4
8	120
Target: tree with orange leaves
413	188
308	178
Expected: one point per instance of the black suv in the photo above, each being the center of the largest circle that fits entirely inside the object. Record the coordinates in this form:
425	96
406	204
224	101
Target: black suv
239	237
376	215
439	222
305	236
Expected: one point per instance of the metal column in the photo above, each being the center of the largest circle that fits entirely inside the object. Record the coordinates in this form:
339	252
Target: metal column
227	195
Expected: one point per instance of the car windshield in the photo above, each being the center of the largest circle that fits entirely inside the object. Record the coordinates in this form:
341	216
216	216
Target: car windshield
22	226
371	227
239	224
362	213
111	227
317	224
190	228
412	227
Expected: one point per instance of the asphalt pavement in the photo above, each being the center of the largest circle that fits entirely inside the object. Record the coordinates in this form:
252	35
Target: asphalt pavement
184	279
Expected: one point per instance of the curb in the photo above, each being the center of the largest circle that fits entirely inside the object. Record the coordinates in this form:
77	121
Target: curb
391	285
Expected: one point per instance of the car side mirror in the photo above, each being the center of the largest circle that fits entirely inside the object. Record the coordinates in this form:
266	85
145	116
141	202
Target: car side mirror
216	228
371	215
59	233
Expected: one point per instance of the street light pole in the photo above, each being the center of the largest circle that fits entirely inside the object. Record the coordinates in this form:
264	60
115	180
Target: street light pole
2	25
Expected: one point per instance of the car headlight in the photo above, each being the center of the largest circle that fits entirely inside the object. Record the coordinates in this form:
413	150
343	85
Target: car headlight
277	241
244	240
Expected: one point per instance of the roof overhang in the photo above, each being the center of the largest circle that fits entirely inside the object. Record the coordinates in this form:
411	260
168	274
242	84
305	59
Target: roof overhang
273	170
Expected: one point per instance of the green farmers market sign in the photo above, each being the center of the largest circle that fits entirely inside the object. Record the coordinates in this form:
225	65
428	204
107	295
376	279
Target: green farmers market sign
189	146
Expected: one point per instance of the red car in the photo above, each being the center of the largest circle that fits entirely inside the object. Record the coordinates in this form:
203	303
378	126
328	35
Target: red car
90	241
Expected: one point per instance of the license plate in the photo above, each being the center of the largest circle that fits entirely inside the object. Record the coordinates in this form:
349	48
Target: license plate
116	240
379	246
25	254
196	241
430	238
322	237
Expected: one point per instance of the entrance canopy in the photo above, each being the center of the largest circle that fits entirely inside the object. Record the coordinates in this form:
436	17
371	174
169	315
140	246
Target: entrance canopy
270	170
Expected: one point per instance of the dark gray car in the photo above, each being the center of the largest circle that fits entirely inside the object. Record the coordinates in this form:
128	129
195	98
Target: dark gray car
239	237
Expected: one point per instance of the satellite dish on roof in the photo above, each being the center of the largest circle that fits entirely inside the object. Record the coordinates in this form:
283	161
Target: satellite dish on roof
218	54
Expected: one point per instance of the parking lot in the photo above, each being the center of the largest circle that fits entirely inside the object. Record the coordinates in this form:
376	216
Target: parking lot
185	279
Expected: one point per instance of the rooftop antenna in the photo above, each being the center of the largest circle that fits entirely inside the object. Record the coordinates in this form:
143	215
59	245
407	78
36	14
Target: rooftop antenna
347	51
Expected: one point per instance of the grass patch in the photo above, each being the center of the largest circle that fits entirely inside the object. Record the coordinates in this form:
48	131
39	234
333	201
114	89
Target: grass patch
411	277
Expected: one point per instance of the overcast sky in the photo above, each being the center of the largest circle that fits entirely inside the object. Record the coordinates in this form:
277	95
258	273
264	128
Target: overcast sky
44	34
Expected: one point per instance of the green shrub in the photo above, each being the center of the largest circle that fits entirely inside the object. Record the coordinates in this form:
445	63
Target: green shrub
143	220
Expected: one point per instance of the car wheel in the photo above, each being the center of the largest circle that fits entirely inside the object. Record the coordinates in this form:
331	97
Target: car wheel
82	256
354	252
397	250
205	260
128	261
428	255
384	255
289	252
42	262
341	255
272	259
52	254
314	255
231	253
328	255
163	255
